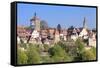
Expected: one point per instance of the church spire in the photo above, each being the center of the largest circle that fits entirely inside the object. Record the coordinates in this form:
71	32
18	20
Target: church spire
35	14
84	22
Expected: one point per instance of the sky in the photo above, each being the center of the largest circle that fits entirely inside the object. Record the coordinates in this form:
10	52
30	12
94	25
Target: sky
66	16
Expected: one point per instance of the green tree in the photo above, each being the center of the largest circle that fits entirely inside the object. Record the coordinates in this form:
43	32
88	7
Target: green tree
46	47
88	55
80	45
43	24
70	50
93	49
21	57
82	53
23	45
33	55
46	59
80	49
58	54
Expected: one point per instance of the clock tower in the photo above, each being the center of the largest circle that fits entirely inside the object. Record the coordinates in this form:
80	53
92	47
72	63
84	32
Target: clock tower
35	22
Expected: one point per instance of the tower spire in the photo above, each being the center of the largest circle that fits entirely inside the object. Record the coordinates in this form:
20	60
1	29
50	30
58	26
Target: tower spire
84	22
35	14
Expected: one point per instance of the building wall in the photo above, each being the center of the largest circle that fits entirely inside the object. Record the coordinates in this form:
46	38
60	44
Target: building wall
83	32
37	25
92	41
74	37
57	36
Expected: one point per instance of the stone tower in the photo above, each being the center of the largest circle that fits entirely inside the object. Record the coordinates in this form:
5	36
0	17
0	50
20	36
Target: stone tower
35	22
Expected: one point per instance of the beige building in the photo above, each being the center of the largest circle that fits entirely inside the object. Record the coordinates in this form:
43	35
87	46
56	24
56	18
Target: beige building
92	39
34	37
74	34
65	34
52	35
83	33
22	34
57	36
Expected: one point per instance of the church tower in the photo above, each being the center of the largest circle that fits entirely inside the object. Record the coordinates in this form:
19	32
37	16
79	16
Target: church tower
35	22
84	23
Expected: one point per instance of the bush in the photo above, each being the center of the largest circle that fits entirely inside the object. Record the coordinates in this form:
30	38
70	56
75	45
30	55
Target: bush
58	54
80	45
21	57
33	55
88	55
46	47
80	48
46	59
83	54
93	49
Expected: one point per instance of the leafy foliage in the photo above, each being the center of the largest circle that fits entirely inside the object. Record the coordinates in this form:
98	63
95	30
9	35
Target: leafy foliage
80	45
43	24
58	54
46	47
93	49
83	54
80	49
24	45
22	57
46	59
88	55
33	54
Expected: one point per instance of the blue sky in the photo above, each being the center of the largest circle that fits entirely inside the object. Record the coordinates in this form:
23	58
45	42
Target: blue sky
64	15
